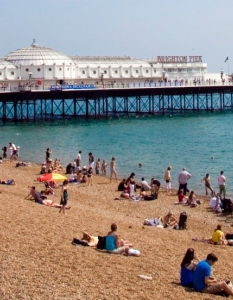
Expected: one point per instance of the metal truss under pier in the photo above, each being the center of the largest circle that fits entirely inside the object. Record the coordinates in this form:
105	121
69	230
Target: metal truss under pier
98	103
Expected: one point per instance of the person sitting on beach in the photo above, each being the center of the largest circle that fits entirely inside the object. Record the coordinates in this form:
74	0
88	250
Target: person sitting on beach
181	196
192	200
169	221
1	161
73	178
144	185
206	179
121	186
57	164
205	282
43	168
113	244
187	268
218	237
8	182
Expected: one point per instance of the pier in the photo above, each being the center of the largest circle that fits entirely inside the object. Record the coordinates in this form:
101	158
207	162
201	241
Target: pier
33	105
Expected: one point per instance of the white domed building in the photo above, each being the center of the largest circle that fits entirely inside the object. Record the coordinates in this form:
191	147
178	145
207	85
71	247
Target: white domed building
37	67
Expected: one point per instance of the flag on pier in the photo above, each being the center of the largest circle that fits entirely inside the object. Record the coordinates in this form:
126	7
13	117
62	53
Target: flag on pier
226	59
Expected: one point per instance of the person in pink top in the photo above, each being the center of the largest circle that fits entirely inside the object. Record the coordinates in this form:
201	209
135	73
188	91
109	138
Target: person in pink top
222	184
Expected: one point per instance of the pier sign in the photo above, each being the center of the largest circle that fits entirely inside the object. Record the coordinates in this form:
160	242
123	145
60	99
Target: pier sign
72	87
178	59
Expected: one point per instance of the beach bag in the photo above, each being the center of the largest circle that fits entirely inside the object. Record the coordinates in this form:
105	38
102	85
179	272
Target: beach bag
101	242
229	236
183	220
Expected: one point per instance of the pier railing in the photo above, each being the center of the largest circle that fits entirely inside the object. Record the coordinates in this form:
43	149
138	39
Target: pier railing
127	85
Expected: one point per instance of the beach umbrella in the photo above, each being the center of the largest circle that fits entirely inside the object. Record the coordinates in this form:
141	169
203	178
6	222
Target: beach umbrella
51	177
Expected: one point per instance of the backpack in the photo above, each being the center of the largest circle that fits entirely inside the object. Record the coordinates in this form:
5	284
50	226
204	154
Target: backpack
183	220
101	242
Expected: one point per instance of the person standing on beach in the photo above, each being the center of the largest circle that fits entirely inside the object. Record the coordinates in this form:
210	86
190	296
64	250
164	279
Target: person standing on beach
91	160
222	184
183	180
4	154
64	196
113	169
47	154
206	179
168	179
78	159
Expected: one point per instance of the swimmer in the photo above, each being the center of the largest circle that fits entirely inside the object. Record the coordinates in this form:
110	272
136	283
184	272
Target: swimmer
140	165
212	157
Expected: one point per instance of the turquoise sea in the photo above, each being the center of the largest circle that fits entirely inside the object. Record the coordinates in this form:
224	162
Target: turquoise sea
156	142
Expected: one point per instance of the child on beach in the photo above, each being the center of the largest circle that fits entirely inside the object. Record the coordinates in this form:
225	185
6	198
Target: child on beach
89	176
64	196
97	166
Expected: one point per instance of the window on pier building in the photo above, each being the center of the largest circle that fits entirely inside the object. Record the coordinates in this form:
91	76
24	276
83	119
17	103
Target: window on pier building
147	71
38	69
105	72
27	69
126	72
94	72
50	69
83	72
190	69
137	71
154	70
116	71
12	73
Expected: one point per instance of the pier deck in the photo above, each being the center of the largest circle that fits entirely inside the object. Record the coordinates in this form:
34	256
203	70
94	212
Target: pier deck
105	102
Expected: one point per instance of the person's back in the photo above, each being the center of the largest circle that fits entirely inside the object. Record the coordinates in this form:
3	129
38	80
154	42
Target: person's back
110	242
202	270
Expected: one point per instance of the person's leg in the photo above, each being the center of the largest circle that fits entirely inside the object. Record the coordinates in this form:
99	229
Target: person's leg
217	288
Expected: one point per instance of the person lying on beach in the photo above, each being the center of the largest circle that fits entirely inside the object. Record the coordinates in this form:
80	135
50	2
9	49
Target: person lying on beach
168	221
154	222
8	182
50	203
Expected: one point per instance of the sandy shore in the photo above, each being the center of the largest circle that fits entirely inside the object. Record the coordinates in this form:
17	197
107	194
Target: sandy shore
38	260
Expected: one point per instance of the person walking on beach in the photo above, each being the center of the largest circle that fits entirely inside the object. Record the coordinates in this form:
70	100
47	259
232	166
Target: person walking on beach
113	169
183	180
206	179
64	196
168	179
222	184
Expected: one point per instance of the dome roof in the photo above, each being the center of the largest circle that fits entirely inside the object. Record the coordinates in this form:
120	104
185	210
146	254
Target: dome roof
6	64
37	55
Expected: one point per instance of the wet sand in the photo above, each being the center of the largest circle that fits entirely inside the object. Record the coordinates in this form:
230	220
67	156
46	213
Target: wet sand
38	260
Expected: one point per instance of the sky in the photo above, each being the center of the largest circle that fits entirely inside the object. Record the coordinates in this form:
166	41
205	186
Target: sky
139	29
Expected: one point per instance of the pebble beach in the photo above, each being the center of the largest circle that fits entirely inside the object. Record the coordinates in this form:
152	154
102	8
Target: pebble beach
38	260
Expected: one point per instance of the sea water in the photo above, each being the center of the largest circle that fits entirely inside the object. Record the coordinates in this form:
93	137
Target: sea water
202	143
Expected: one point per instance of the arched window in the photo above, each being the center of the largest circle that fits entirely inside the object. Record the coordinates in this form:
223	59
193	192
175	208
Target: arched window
12	73
38	69
50	69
